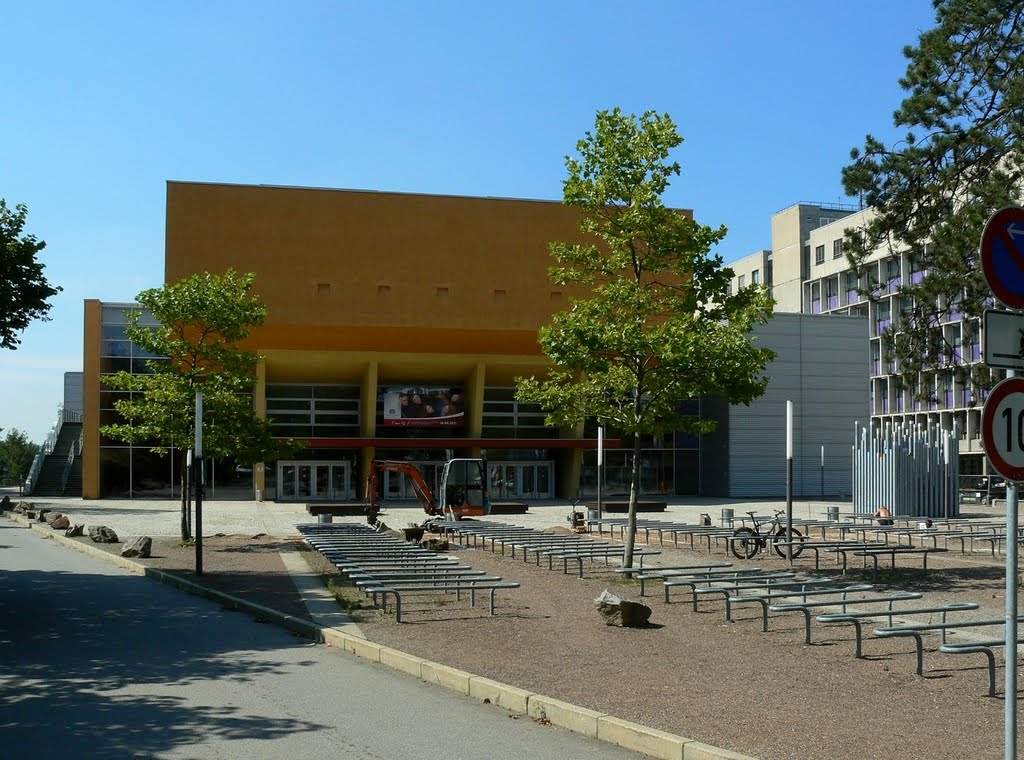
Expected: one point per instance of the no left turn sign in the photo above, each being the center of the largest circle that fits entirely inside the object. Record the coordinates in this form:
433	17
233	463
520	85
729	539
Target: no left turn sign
1002	428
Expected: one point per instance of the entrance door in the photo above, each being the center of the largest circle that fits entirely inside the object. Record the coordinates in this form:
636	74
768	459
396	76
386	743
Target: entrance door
313	481
502	481
522	480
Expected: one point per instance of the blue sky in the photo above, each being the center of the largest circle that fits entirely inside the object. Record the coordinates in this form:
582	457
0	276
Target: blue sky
105	102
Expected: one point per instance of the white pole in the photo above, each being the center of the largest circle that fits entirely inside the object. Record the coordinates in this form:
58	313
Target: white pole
600	463
1010	628
789	481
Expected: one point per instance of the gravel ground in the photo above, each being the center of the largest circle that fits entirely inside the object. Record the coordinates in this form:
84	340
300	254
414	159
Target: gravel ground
694	674
728	684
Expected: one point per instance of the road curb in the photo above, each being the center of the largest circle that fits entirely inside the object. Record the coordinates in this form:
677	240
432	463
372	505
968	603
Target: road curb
591	723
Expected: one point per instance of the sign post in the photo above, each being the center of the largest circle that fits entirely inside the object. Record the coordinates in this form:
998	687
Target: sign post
1002	337
1002	263
789	481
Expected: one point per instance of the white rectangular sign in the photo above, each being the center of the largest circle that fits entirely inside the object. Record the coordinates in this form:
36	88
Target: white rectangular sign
1002	339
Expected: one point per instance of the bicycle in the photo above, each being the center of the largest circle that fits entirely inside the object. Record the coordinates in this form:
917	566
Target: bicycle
747	542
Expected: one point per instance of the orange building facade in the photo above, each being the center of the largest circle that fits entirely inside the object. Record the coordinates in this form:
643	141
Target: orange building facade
375	301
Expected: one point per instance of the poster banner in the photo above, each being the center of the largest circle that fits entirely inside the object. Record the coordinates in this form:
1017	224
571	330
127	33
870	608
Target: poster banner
423	407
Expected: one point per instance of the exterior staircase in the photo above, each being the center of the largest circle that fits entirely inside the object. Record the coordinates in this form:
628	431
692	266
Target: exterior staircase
50	481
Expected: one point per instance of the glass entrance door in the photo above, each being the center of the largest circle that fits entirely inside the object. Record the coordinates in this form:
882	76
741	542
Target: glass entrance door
313	481
536	479
521	480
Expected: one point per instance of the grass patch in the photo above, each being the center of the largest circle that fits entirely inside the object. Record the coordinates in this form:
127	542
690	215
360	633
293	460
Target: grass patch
342	593
347	595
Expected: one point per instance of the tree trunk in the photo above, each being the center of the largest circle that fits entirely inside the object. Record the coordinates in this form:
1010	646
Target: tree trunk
634	490
186	533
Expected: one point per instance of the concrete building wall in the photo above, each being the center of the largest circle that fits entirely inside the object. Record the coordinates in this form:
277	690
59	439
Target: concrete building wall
752	270
792	254
73	392
820	368
355	270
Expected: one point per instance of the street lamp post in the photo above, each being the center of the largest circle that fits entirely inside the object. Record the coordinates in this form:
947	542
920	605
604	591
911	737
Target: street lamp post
197	474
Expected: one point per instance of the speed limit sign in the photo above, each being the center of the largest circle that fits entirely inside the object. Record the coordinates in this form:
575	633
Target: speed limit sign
1002	428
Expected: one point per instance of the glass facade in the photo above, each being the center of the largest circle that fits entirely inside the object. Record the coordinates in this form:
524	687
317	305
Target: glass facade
134	470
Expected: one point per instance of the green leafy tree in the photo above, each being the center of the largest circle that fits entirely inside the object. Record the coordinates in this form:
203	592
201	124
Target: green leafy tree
24	290
199	323
659	325
931	193
16	455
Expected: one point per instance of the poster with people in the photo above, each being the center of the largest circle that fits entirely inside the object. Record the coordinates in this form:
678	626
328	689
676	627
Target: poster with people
424	407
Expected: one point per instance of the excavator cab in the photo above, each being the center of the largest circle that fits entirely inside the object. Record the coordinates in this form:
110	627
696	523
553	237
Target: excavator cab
464	489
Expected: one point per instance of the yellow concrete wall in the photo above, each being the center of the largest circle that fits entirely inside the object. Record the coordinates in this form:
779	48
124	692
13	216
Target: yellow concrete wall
91	401
345	269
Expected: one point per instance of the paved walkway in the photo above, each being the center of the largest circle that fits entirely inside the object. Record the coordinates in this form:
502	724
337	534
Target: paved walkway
161	517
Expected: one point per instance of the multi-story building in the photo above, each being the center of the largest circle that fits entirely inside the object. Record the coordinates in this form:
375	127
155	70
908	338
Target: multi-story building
374	295
810	274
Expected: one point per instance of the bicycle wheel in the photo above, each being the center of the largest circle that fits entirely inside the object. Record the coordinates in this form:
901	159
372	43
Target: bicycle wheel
798	541
744	543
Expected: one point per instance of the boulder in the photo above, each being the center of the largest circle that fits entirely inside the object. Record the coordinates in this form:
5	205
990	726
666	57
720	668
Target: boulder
435	544
101	534
75	530
61	522
140	547
45	515
5	504
622	612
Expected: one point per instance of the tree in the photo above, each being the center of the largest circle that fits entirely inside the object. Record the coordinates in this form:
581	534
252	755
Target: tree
199	323
23	288
931	194
658	326
16	455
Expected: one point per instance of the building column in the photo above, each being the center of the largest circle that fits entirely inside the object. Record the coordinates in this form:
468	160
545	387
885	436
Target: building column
474	392
367	422
259	471
91	387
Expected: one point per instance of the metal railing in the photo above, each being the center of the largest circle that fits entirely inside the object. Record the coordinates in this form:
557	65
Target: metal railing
75	450
63	415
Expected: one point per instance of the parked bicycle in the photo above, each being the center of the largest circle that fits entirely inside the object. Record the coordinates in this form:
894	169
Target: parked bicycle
747	542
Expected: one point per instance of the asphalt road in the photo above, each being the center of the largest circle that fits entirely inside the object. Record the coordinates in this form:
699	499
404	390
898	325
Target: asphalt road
99	663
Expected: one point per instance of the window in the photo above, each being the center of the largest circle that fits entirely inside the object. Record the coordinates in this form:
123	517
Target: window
837	248
755	277
819	254
743	281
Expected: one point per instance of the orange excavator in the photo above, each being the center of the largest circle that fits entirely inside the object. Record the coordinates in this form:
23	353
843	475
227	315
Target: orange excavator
463	488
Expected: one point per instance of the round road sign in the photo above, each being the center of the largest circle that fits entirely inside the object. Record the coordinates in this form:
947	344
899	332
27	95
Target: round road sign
1002	255
1002	428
